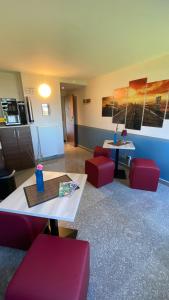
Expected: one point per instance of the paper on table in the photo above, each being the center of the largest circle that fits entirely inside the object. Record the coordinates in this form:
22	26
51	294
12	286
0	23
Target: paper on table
67	188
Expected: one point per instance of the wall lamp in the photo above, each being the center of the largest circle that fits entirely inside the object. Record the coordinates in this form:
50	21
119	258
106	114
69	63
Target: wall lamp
44	90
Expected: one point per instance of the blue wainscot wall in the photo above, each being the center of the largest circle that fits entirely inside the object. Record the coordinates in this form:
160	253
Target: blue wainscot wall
146	147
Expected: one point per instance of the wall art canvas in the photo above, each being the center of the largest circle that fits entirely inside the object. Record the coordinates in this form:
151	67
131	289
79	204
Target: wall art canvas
167	109
120	105
107	106
155	103
136	97
167	96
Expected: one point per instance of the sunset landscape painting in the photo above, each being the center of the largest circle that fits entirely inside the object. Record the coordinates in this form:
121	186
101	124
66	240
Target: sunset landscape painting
140	104
107	106
135	106
156	103
120	105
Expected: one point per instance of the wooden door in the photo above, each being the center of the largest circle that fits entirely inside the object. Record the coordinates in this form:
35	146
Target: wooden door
71	116
25	147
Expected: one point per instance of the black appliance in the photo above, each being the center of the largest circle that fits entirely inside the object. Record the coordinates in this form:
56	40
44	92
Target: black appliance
22	112
29	109
10	111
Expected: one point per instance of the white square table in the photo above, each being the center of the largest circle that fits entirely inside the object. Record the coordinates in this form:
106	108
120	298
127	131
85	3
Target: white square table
128	146
59	208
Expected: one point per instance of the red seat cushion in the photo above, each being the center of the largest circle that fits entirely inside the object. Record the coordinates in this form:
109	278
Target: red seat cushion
19	231
144	174
100	151
142	162
53	269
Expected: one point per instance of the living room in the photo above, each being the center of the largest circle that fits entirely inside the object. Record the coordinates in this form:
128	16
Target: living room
109	62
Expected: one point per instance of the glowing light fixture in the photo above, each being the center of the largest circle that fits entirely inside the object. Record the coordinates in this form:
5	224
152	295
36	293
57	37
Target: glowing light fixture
44	90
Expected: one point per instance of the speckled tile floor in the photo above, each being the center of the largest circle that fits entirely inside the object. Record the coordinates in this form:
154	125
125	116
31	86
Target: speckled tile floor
128	231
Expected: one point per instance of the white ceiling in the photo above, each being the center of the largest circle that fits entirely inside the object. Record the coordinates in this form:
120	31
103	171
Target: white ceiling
79	39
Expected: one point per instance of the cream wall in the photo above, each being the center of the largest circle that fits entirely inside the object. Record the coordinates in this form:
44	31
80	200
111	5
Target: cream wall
49	128
91	114
10	85
32	81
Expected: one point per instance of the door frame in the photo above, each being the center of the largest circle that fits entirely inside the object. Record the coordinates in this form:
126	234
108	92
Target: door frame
75	125
75	120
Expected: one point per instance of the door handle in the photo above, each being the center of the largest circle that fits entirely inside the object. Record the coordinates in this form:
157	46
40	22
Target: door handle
14	133
18	133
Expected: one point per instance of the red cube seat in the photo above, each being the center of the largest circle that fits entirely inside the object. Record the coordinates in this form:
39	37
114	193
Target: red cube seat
19	231
144	174
100	151
100	170
53	269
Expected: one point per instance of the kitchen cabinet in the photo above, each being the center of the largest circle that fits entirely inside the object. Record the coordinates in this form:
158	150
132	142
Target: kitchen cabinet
17	147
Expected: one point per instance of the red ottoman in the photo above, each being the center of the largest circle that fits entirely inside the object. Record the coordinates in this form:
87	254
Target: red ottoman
53	269
100	151
100	170
144	174
19	231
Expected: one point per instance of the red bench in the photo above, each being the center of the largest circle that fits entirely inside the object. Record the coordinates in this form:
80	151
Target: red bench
53	269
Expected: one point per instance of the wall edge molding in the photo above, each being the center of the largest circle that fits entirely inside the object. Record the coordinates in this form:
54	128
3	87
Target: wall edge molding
108	130
85	148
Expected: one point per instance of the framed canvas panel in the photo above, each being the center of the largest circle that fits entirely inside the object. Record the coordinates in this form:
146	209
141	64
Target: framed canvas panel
120	105
135	106
155	103
107	106
167	108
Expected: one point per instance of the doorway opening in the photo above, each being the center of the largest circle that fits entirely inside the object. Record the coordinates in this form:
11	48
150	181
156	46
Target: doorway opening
69	112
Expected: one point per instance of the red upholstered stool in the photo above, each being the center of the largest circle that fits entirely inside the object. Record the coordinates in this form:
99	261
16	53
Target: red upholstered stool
144	174
53	269
100	170
19	231
100	151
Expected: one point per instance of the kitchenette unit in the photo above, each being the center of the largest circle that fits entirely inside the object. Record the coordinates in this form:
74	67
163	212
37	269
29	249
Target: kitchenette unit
15	135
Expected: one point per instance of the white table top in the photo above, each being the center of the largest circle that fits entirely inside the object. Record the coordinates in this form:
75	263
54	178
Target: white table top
128	146
60	208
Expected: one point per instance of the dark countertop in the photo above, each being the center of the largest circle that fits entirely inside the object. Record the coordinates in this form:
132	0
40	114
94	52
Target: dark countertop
11	126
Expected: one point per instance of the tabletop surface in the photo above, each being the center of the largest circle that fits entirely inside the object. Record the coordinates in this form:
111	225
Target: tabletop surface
128	146
60	208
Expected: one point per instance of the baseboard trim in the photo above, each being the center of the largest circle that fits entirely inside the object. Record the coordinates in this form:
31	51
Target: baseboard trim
163	181
85	148
50	157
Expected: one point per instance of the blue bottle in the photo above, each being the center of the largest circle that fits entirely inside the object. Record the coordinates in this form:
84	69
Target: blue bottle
39	181
115	138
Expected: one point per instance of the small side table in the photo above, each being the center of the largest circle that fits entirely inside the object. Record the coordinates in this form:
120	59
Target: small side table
108	144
